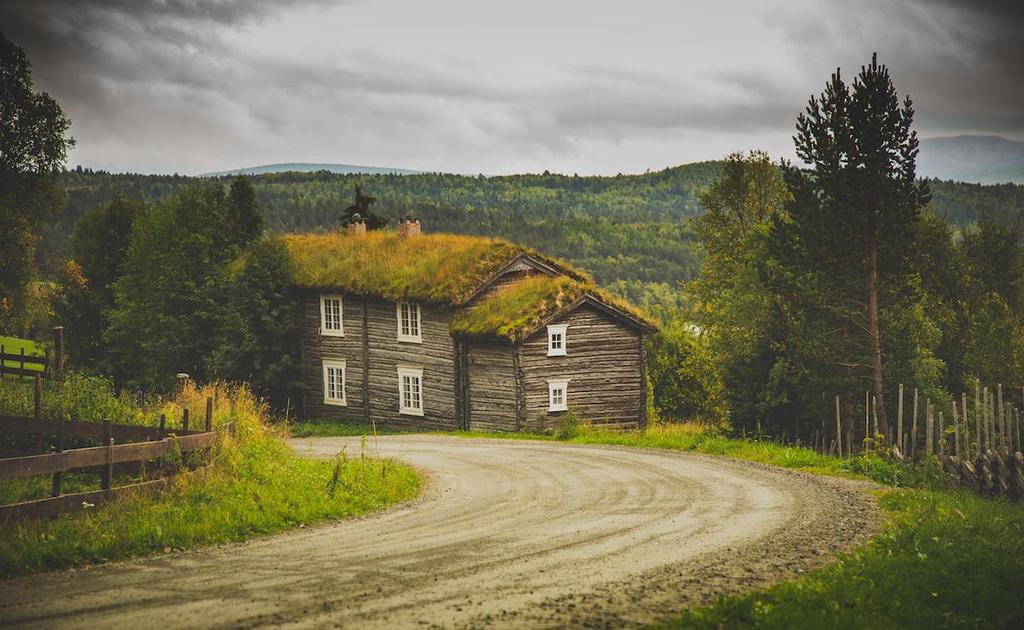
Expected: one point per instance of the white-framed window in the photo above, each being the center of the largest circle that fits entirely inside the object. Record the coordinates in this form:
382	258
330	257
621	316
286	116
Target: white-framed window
410	391
556	340
334	382
558	395
409	322
330	316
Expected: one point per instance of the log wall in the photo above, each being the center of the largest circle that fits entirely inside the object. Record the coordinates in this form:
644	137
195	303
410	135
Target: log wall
604	366
371	339
492	386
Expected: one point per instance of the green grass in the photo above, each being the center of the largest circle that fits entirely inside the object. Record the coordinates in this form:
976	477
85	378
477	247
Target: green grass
945	560
255	485
324	428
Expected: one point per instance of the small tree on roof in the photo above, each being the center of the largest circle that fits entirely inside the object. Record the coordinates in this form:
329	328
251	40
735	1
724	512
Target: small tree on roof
361	207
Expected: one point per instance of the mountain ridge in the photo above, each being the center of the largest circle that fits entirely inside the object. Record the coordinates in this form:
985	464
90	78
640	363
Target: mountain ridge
311	167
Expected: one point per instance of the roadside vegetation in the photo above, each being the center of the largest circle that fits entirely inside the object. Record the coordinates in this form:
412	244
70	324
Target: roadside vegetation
255	485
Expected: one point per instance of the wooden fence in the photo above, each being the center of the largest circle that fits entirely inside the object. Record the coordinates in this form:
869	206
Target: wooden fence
978	445
143	444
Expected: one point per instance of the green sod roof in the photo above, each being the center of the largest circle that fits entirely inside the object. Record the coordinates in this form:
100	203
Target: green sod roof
443	269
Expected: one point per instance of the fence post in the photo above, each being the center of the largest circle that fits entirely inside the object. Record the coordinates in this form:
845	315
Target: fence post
21	375
163	423
999	418
209	413
913	429
108	470
37	399
940	448
967	425
899	422
58	348
184	420
839	431
874	416
929	428
956	430
977	416
55	489
985	422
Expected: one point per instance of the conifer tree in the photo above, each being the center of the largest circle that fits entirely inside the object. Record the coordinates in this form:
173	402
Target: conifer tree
851	223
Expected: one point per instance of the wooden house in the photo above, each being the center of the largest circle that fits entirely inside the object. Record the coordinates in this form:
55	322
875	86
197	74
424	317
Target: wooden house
443	332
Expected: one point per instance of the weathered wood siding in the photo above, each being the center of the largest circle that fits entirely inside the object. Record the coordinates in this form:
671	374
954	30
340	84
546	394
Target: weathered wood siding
383	353
436	355
492	386
604	366
316	347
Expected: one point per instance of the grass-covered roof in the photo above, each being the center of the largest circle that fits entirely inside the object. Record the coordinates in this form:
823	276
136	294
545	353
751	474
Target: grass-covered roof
442	268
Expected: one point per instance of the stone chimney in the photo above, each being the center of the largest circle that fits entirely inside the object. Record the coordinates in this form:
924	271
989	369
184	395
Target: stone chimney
408	227
357	227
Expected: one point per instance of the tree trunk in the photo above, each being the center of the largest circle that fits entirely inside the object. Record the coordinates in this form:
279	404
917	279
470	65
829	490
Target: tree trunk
876	339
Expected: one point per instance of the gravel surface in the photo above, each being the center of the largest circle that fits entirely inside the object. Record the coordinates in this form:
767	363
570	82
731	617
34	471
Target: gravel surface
506	533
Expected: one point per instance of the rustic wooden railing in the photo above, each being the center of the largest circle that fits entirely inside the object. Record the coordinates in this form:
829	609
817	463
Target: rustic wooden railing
146	443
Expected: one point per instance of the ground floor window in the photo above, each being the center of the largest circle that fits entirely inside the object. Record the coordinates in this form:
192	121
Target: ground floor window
334	382
558	395
410	391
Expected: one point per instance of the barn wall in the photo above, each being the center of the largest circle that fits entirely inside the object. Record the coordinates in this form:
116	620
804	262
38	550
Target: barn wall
604	366
492	386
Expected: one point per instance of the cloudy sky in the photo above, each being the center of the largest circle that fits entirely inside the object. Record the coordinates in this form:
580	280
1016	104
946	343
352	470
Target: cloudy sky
474	86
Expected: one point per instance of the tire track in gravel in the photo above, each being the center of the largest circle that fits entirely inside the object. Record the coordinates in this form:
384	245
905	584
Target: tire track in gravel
506	533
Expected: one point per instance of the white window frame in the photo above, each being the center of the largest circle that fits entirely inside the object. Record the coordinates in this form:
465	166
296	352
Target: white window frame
557	332
408	337
556	385
405	372
324	330
334	364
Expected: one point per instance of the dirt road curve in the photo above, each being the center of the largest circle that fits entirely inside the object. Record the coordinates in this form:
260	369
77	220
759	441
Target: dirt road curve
506	534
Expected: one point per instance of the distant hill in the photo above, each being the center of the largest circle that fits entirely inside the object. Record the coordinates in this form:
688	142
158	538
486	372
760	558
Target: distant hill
976	159
310	167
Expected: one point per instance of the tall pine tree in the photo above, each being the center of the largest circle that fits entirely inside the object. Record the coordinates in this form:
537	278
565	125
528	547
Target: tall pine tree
851	224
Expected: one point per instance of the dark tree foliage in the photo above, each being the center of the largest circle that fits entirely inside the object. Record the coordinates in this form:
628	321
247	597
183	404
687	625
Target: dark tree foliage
360	207
243	211
100	240
257	339
33	148
851	224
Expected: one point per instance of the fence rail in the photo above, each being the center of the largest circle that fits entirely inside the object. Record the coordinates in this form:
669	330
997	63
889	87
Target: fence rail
145	444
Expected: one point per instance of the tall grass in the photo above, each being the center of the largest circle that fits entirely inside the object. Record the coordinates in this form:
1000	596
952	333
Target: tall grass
255	485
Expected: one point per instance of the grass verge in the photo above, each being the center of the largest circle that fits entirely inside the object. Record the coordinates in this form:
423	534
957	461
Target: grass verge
255	485
334	429
946	559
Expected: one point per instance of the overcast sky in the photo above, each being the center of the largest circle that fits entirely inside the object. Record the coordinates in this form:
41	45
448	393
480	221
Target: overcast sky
473	86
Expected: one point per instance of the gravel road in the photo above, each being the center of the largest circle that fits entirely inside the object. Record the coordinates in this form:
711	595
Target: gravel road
506	533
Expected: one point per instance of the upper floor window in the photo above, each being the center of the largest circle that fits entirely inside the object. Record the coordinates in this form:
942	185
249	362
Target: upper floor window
334	382
330	316
410	391
556	340
409	322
